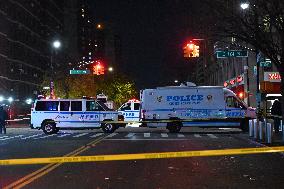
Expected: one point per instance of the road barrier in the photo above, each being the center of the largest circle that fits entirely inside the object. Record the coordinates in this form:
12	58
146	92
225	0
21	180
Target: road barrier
260	129
269	133
142	156
255	128
251	128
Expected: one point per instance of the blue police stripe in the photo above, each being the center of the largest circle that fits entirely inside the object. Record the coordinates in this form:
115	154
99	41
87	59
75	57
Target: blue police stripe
80	112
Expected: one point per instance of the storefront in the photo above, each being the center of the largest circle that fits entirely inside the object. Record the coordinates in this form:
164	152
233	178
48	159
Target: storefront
271	89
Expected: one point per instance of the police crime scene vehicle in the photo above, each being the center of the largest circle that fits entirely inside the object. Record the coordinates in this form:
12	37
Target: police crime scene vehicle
191	105
131	112
51	115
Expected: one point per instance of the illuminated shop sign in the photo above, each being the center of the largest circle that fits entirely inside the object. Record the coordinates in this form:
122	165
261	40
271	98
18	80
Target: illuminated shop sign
272	76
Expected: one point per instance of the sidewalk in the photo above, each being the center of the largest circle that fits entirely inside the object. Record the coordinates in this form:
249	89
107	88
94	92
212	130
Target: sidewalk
277	139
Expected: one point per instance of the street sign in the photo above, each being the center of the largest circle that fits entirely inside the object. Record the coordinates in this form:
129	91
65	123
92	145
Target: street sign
266	63
80	72
254	70
231	53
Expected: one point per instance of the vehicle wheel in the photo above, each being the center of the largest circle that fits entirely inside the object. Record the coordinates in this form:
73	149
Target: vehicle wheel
109	127
245	125
49	127
174	127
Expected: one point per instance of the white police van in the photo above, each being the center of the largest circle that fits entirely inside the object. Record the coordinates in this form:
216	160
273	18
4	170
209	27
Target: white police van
131	111
202	106
51	115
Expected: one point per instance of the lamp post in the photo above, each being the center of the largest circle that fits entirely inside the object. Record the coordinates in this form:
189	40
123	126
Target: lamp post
55	45
245	6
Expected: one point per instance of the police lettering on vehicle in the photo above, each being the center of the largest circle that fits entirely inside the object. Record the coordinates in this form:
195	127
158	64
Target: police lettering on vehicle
235	114
129	114
183	100
89	117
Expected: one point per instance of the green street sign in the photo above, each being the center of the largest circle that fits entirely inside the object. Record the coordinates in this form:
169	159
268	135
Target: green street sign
267	63
231	53
80	72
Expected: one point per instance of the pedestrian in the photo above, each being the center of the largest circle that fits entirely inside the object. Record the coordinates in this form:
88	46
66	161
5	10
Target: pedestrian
276	112
3	118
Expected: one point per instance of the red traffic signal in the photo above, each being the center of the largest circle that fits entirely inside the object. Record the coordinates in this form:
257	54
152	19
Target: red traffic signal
98	68
191	50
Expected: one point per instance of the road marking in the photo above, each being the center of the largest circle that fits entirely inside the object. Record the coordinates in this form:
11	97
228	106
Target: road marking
197	136
48	168
146	135
149	139
63	135
130	135
12	137
138	156
32	136
111	135
164	135
180	136
4	136
212	136
46	136
79	135
96	135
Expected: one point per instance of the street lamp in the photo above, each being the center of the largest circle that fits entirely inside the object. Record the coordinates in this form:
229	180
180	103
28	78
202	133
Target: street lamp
55	45
10	99
1	98
176	81
244	6
110	69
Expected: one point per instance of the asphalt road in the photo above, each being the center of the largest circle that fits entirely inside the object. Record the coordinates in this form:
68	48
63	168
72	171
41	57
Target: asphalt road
239	171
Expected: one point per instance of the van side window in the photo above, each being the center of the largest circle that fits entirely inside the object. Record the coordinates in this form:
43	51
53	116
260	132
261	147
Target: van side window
64	105
93	106
76	105
234	103
126	106
136	106
47	106
230	102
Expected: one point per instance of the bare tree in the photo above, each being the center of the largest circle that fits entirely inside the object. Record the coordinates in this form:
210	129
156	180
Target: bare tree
258	22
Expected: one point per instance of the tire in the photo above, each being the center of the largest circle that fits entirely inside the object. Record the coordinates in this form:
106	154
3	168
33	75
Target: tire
108	127
49	127
174	127
244	125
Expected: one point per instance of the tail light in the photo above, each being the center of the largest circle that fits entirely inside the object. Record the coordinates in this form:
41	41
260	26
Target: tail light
143	114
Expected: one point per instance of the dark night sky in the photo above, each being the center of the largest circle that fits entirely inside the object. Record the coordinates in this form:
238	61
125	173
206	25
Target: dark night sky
152	34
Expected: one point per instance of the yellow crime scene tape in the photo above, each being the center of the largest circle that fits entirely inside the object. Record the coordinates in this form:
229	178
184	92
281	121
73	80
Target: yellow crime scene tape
142	156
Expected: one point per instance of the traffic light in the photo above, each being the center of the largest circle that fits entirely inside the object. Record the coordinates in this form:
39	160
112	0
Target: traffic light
98	68
191	50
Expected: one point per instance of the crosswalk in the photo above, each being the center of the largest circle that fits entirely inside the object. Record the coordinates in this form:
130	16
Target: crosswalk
120	136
